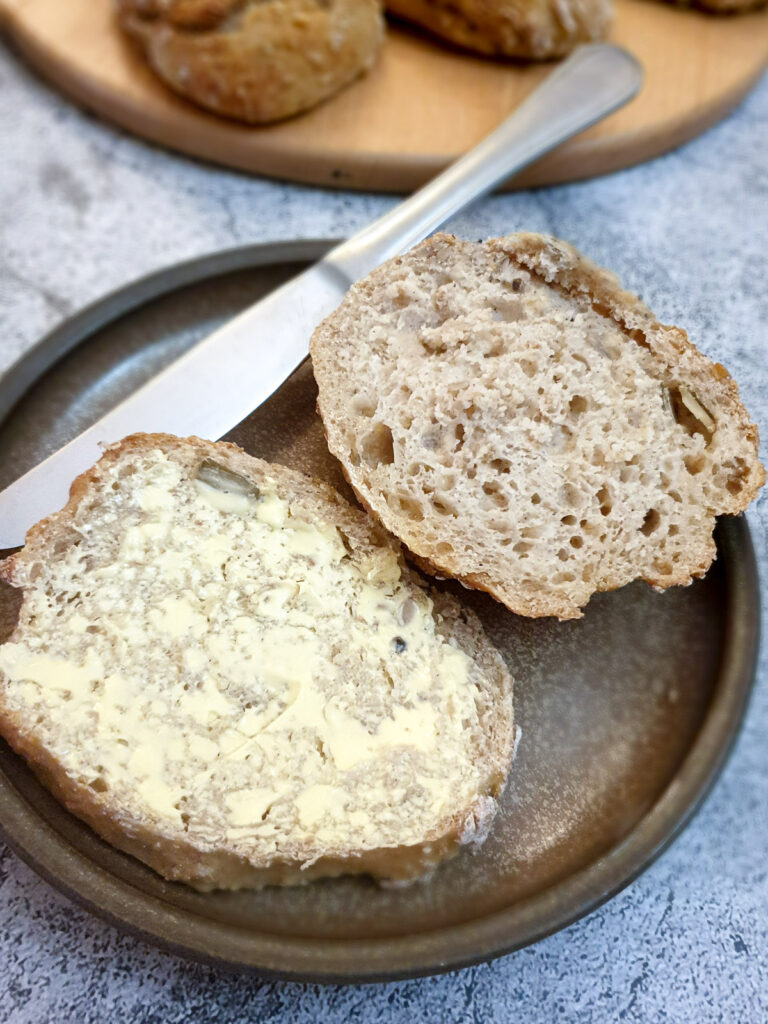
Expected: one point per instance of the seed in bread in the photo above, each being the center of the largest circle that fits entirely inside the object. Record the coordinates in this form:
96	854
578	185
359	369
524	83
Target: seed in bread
256	60
229	672
533	29
524	425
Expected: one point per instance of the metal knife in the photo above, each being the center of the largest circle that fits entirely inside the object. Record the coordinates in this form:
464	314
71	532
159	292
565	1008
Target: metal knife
224	377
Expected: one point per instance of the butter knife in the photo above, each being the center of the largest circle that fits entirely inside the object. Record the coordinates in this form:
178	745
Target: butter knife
224	377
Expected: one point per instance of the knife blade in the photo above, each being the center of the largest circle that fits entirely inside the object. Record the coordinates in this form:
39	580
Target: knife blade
224	377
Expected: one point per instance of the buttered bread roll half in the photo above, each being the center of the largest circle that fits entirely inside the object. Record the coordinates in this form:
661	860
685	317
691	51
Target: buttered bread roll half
230	673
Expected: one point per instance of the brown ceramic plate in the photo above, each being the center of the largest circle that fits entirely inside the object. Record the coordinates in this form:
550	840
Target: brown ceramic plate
627	715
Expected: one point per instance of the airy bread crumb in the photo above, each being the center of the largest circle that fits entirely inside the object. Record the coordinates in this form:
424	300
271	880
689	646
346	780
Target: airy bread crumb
527	427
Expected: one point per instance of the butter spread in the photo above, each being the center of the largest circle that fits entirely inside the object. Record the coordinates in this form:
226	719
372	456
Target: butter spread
226	664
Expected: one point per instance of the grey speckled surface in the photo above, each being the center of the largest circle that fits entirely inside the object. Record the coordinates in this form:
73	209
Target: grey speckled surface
87	209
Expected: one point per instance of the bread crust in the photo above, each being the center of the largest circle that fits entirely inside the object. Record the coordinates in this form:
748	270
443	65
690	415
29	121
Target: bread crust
179	858
564	268
528	29
721	6
253	60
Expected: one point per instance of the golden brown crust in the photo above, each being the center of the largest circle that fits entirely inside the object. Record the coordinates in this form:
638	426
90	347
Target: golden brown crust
203	868
538	29
721	6
255	60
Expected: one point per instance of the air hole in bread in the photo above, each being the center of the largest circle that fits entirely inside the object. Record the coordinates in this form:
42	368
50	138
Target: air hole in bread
98	785
576	542
577	405
568	520
458	433
377	446
735	483
493	491
535	499
410	509
694	464
605	501
69	539
651	522
432	344
441	508
501	465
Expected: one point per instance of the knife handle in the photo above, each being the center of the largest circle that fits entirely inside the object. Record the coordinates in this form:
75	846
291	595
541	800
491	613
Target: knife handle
593	82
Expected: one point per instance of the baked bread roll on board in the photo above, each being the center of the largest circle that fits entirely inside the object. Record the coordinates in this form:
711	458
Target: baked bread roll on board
253	60
527	29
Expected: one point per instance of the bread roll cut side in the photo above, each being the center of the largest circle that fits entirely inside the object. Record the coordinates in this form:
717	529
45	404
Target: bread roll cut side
230	673
524	425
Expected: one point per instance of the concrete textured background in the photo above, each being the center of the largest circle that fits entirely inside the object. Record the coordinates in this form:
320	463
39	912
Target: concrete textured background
87	208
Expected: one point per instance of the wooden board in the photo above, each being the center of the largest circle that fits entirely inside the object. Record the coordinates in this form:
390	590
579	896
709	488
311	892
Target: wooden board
423	104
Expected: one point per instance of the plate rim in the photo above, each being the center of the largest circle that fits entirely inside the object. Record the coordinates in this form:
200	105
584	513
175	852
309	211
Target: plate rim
302	959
